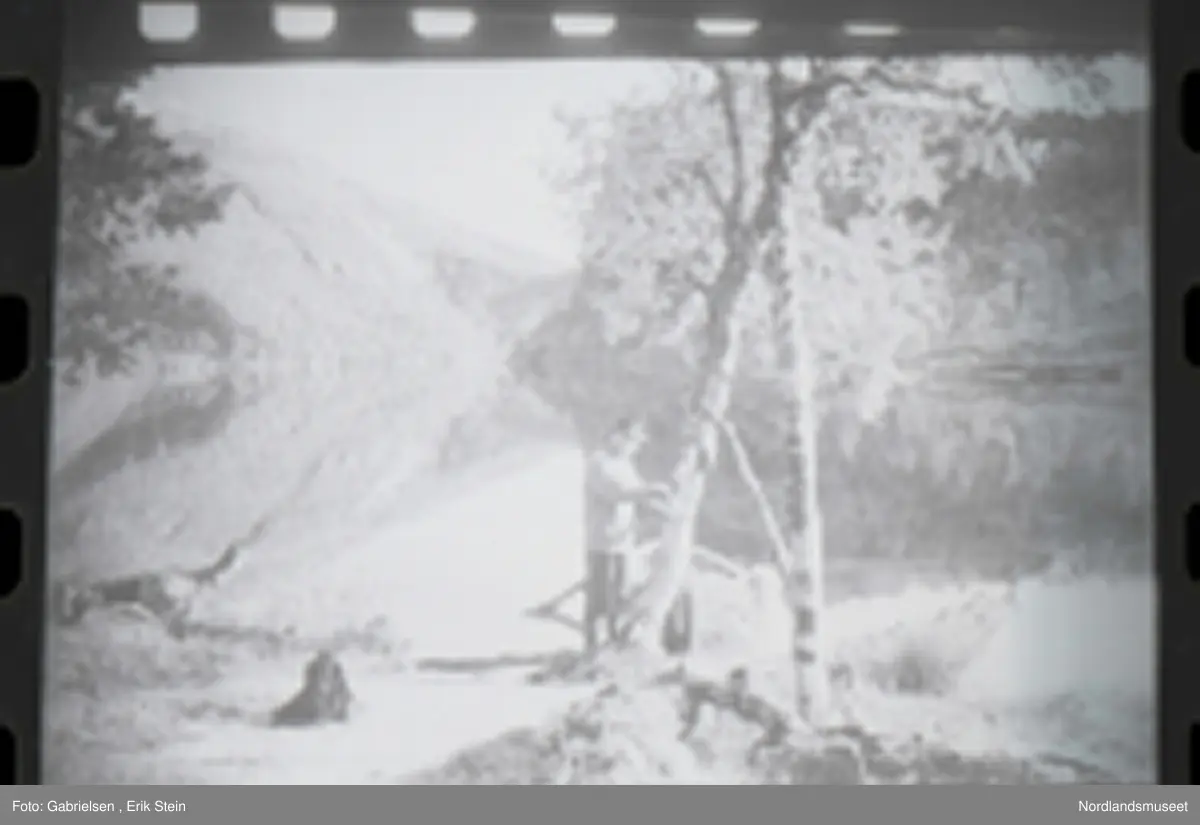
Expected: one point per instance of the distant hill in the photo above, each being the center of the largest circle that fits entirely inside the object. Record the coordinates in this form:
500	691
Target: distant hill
357	350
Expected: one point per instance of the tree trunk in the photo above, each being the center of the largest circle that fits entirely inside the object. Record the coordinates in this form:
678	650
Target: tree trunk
671	560
802	512
744	236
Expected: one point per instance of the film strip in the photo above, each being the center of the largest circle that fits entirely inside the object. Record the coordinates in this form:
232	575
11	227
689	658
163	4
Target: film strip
229	32
42	42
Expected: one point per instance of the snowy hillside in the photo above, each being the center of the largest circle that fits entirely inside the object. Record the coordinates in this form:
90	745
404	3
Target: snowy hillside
358	366
359	360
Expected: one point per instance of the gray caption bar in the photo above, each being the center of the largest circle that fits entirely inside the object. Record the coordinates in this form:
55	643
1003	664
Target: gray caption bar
985	805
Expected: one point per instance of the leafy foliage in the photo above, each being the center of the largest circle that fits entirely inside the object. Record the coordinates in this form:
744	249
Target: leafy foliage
1050	325
922	195
650	232
122	181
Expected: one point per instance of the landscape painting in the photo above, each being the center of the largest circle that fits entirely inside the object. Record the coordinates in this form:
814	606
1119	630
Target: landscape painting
595	422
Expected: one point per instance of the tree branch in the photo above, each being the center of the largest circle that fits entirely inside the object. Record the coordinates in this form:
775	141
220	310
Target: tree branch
813	94
727	209
780	551
775	169
718	563
883	80
727	99
744	236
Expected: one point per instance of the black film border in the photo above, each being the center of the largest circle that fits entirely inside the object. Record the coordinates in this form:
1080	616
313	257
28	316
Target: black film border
39	38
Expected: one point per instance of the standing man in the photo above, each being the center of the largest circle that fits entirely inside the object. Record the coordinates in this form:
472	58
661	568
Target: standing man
614	490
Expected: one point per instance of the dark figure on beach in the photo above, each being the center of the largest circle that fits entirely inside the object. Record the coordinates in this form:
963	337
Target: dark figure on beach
324	695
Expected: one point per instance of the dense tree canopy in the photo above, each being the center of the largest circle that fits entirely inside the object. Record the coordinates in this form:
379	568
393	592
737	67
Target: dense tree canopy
124	180
974	338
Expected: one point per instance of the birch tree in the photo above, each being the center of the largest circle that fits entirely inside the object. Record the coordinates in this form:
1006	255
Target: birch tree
885	163
731	172
676	235
870	179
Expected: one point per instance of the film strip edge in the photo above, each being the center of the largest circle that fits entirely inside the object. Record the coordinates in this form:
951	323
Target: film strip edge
1176	199
29	64
1177	407
256	30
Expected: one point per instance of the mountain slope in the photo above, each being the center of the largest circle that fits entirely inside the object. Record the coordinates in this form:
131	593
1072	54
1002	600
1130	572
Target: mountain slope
357	361
331	416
